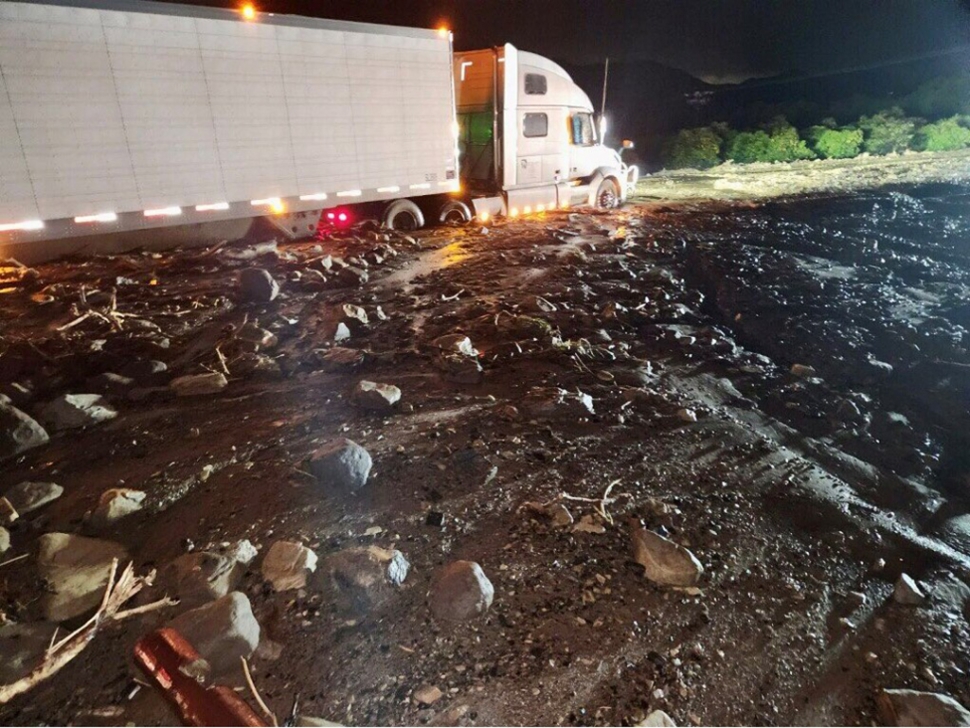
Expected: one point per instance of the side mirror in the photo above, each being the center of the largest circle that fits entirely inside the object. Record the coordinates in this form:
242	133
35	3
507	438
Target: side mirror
627	144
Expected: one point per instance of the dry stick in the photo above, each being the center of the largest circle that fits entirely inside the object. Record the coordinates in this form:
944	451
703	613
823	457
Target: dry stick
252	688
15	558
75	322
116	593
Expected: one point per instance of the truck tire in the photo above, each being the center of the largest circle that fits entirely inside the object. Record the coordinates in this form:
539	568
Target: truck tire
607	195
403	215
454	212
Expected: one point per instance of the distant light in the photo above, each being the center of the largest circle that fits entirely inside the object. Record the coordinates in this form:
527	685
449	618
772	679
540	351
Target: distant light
526	210
25	225
421	186
164	212
314	196
393	188
514	212
330	216
483	217
541	208
248	11
212	207
342	217
265	202
100	217
349	193
278	207
444	31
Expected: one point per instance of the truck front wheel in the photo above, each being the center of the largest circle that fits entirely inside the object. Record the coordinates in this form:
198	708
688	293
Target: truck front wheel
608	195
403	215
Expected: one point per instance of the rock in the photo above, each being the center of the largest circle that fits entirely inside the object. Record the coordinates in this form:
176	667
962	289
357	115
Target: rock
8	514
256	338
4	540
256	365
70	411
802	370
110	383
881	368
907	591
664	561
241	551
342	333
115	504
22	647
363	576
428	695
308	721
286	564
340	358
195	384
18	432
460	592
658	719
375	396
257	285
687	415
341	463
221	631
916	708
200	577
455	344
28	496
355	312
16	393
144	370
76	569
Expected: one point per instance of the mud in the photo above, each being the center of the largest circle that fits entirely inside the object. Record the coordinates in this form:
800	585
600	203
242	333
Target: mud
798	492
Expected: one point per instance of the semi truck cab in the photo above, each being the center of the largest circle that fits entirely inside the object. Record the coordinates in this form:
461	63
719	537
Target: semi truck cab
528	136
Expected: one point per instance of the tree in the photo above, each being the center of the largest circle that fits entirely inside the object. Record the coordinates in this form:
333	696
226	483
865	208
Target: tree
777	142
943	136
748	146
831	143
698	148
887	131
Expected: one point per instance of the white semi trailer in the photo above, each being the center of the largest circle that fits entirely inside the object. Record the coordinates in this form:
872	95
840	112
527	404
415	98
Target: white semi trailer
122	116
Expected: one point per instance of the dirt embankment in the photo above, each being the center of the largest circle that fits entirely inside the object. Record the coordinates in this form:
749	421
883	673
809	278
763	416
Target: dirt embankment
759	385
841	176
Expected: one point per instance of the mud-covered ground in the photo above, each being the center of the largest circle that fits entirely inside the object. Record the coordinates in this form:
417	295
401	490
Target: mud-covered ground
804	493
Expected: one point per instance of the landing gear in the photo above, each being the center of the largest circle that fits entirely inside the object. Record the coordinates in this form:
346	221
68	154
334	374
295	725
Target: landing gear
403	215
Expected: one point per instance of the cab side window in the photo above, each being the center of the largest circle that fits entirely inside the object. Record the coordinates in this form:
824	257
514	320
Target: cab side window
584	132
535	125
535	84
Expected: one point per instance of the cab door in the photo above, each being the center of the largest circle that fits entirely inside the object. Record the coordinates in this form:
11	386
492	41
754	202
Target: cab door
584	155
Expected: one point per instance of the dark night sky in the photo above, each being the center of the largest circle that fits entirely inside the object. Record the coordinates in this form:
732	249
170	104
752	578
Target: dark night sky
718	40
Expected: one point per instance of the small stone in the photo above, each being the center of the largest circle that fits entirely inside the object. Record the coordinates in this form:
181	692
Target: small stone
28	496
286	564
664	561
907	591
658	719
687	415
196	384
115	504
341	463
355	312
241	551
257	285
802	370
16	393
342	333
256	365
363	576
221	631
256	337
375	396
8	514
428	695
200	577
144	370
4	540
70	411
308	721
916	708
460	592
110	383
18	432
76	569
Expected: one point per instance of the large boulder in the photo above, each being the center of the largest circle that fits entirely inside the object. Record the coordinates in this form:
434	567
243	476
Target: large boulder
76	570
461	591
341	463
70	411
362	577
917	708
200	577
18	432
664	561
287	564
115	504
222	631
29	496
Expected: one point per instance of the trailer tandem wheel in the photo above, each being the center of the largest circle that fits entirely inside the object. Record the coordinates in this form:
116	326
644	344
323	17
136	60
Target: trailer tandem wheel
403	215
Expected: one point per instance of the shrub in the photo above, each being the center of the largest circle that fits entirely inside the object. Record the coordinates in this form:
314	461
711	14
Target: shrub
830	143
943	136
748	146
695	148
778	142
888	131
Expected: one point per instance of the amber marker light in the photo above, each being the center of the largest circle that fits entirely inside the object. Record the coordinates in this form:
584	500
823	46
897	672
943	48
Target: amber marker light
248	11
